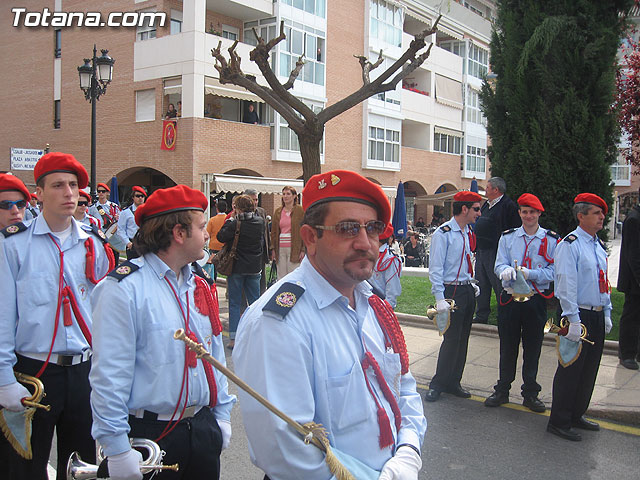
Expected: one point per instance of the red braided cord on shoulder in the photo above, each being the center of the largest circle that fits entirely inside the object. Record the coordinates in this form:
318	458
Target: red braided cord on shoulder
206	304
369	360
389	324
90	261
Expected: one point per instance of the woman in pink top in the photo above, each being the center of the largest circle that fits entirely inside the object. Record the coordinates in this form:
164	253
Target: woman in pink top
286	243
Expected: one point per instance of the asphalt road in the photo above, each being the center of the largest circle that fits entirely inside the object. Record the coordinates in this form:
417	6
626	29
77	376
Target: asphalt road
466	440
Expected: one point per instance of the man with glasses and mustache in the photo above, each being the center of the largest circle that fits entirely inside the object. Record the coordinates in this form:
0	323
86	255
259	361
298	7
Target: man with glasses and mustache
107	211
451	275
323	348
127	226
13	200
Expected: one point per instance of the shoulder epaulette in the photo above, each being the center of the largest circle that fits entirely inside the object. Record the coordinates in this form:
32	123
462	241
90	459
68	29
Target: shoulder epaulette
199	271
101	211
553	234
13	229
123	270
569	238
511	230
284	299
445	228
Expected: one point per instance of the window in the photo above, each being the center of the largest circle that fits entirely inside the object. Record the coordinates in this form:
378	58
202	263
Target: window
476	159
478	61
386	22
473	9
474	114
316	7
266	28
445	143
56	114
145	105
308	42
457	48
384	145
391	97
288	138
176	21
230	32
146	31
57	42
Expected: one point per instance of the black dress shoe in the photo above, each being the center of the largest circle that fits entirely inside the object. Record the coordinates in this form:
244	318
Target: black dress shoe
585	424
566	433
432	395
534	404
458	391
496	399
629	363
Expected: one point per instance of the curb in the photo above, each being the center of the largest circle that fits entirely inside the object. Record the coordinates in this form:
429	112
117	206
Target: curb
610	346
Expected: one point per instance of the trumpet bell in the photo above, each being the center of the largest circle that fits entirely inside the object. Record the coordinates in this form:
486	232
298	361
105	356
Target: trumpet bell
79	470
521	290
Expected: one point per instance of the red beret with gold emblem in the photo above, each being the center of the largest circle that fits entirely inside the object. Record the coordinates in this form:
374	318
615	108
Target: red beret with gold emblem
530	200
387	232
141	190
345	186
466	196
85	195
61	162
593	199
169	200
105	186
11	182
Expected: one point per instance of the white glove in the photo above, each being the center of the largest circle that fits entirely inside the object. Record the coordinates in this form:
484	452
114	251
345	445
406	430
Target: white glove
525	272
404	465
575	330
442	306
225	428
607	324
508	274
125	466
476	289
11	396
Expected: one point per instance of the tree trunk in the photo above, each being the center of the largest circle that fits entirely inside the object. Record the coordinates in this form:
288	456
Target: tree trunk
310	151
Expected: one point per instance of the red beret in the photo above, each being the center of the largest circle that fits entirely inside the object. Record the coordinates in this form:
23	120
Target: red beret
530	200
387	232
593	199
105	186
11	182
139	190
346	186
466	196
168	200
34	196
60	162
85	195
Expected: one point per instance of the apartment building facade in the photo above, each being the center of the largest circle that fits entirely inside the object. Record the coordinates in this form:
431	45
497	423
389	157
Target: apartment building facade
429	133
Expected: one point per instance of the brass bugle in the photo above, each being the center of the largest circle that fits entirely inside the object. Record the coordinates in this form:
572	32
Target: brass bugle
432	311
38	394
551	327
80	470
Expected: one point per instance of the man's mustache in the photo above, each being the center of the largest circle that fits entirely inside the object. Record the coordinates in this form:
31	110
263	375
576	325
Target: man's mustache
360	256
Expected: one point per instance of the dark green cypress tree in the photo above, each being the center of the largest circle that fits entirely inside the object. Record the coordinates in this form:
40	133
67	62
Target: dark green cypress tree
549	114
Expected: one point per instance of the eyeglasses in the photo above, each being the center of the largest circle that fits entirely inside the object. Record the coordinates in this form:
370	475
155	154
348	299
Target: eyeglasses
83	204
8	204
349	229
138	196
101	191
476	209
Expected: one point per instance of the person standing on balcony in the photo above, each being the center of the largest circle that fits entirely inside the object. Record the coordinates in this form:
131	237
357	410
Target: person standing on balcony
499	213
251	116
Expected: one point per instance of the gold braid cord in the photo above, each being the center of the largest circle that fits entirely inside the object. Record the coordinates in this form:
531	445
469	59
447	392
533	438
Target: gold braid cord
311	432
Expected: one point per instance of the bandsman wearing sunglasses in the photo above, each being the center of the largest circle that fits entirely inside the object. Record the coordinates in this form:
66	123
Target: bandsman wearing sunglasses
451	275
48	270
13	200
81	214
323	348
127	226
107	211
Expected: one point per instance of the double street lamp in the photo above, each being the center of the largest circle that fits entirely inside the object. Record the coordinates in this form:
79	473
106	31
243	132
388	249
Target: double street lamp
95	75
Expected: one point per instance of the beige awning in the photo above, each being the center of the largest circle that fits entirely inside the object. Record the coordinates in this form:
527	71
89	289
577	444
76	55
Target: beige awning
448	131
449	31
438	198
448	91
212	86
172	85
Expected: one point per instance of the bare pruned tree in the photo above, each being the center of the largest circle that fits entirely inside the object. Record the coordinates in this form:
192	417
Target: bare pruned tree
307	125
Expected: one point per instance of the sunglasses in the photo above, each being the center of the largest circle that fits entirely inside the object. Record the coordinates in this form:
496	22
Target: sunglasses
8	204
138	196
101	191
349	229
476	209
83	204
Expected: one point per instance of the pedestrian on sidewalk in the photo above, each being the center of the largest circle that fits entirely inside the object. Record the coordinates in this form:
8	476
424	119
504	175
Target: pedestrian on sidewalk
582	286
451	275
323	348
531	247
629	283
499	213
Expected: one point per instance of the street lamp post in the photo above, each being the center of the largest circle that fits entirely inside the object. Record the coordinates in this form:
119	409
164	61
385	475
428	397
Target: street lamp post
95	75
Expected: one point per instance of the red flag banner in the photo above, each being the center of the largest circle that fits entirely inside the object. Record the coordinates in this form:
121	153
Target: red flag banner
169	135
